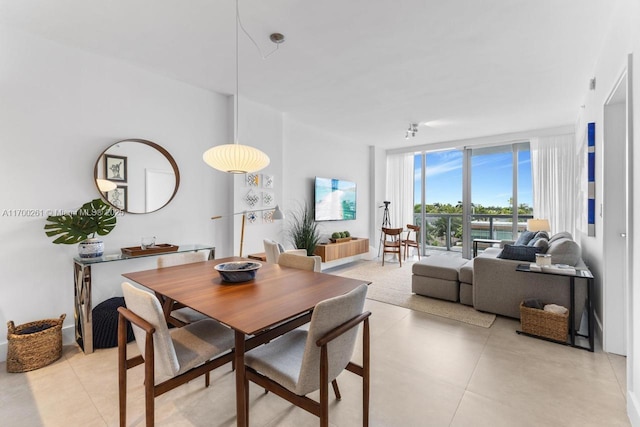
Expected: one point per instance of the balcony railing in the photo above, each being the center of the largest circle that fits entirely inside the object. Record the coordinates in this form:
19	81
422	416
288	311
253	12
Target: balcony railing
445	230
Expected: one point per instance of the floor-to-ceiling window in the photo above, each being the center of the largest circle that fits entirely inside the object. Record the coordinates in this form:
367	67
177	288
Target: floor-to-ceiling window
493	182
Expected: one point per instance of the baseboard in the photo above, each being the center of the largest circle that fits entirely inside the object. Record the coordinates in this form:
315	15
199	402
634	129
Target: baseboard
633	408
68	338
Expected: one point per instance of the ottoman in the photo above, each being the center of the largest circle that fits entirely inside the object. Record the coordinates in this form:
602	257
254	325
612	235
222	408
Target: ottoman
437	277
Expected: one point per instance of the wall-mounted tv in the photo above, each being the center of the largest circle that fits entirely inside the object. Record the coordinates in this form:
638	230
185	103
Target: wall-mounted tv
335	199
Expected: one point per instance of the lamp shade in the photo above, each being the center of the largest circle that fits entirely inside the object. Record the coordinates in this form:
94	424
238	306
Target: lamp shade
235	158
538	225
105	185
277	213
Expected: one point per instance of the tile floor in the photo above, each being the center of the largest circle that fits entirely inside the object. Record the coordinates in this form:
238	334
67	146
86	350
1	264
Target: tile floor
426	371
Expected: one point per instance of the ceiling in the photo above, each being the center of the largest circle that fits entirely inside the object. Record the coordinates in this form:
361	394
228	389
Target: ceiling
361	69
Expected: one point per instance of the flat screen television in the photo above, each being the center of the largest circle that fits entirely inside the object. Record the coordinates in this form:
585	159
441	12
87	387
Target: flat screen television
335	199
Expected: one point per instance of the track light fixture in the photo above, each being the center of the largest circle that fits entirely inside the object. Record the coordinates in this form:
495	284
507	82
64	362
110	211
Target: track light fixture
413	129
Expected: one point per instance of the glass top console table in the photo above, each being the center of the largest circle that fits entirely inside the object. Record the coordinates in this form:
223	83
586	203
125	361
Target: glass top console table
571	274
82	301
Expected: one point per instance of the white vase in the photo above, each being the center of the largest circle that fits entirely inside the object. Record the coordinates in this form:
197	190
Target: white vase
91	248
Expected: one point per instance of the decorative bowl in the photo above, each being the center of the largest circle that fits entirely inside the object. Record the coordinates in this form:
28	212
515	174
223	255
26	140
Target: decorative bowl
236	272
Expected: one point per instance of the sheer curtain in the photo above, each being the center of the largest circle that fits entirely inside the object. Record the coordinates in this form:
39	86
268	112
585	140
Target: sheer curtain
400	176
555	184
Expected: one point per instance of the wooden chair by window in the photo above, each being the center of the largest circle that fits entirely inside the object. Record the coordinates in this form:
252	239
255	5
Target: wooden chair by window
170	357
392	243
301	361
409	242
181	315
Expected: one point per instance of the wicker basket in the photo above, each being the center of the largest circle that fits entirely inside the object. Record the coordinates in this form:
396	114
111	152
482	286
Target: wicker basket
32	350
544	323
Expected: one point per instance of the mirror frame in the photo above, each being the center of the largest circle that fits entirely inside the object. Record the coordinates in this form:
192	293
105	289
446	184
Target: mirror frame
163	151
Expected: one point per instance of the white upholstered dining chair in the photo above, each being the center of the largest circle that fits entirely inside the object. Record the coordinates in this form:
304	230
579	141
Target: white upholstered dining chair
302	361
171	357
181	315
303	262
273	249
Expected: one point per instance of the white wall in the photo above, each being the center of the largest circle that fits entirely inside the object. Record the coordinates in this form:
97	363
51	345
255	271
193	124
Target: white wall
259	127
623	38
310	152
59	109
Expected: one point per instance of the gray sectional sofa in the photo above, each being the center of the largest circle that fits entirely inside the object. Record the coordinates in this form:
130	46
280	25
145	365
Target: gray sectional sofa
492	284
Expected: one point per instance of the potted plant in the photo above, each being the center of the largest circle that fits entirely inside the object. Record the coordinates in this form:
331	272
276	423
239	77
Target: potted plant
94	217
304	230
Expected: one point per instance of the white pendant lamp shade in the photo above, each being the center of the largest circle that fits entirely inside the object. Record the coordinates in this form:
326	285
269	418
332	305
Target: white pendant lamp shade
236	158
105	185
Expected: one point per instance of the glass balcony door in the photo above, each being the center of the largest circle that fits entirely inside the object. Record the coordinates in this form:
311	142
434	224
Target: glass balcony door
466	194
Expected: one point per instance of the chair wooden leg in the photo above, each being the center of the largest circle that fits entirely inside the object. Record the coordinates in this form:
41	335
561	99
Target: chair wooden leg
336	390
149	381
324	387
366	372
207	379
122	369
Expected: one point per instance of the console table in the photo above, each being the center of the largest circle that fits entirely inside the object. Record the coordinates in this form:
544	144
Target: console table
585	274
82	303
333	251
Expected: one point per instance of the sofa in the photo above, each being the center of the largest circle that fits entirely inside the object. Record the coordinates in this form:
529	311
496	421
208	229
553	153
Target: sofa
491	283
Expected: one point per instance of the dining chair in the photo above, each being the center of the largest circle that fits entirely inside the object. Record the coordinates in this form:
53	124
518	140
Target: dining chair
409	242
304	262
392	243
303	361
171	357
181	315
273	249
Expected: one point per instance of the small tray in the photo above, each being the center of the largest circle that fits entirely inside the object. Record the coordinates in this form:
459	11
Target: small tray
156	249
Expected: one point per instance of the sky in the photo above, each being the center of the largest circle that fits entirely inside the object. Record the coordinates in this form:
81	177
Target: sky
491	178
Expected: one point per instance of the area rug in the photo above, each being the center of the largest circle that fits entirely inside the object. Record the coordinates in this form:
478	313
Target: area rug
392	284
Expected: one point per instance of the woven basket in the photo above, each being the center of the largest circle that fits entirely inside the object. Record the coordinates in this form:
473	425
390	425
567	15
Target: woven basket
544	323
32	350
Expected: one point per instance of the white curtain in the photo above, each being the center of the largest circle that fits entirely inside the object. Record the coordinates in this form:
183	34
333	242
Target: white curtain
400	175
555	181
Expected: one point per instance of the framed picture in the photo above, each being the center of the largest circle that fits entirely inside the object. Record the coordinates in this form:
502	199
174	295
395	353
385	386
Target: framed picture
115	168
118	197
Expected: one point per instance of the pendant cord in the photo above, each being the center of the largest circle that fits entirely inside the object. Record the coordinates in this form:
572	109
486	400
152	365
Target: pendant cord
237	118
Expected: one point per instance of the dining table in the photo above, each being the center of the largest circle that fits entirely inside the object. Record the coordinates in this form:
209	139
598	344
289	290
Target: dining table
279	299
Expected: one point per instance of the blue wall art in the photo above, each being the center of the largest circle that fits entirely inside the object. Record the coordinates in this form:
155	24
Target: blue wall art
591	176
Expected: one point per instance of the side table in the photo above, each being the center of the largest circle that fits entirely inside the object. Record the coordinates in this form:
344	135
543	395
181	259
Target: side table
584	274
259	256
476	241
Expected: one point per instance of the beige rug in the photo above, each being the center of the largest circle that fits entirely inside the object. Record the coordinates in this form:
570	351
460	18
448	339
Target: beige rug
392	284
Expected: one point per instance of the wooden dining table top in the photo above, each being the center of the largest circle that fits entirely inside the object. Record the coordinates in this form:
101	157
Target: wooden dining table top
275	294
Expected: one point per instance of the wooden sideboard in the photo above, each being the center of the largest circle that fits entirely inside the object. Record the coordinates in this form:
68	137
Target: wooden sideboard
333	251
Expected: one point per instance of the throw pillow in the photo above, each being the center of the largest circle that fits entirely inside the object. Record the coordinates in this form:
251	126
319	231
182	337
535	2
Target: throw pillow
561	235
543	244
520	253
524	238
539	235
564	251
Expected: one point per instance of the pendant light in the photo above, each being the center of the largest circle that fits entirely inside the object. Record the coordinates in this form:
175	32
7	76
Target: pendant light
236	158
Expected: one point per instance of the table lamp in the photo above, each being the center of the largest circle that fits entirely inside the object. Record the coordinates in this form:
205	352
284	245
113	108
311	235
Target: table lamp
538	225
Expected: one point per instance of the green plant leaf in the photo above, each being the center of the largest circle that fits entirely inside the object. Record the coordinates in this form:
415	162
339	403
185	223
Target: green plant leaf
93	217
304	230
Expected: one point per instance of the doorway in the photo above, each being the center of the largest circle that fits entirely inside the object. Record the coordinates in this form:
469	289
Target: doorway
616	206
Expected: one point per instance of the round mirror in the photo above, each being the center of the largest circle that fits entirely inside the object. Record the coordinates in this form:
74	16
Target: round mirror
136	176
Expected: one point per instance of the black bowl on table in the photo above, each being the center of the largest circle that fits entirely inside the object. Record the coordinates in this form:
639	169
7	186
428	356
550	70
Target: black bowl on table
237	272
